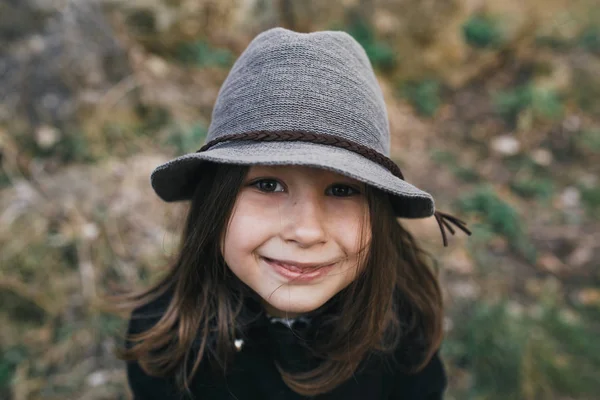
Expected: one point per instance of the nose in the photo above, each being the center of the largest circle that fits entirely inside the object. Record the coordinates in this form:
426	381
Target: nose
304	222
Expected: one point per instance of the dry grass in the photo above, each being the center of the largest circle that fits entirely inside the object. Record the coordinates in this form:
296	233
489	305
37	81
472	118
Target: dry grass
79	220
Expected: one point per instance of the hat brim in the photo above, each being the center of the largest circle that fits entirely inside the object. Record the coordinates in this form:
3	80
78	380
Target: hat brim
176	179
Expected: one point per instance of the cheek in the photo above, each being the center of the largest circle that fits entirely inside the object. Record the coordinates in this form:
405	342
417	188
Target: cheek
245	232
235	253
349	227
235	243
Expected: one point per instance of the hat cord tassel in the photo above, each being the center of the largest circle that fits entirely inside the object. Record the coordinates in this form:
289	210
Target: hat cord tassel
444	219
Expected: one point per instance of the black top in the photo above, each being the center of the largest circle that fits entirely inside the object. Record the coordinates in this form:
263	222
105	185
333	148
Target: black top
253	375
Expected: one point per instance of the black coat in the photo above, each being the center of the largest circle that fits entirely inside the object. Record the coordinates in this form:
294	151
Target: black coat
253	375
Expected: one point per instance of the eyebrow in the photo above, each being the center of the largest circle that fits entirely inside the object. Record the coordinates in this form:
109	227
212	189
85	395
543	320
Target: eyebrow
259	170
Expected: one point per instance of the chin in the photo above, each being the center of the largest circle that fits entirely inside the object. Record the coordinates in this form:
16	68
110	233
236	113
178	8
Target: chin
286	304
297	309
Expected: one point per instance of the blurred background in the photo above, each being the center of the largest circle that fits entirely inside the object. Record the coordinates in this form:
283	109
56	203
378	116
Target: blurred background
494	110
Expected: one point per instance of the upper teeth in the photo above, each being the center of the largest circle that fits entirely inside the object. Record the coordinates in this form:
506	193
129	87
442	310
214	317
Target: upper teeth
289	266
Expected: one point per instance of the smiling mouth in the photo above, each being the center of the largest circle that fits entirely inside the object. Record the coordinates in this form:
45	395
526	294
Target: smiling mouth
299	274
299	267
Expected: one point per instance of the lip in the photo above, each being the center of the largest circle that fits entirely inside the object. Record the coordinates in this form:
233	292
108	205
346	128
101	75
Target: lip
296	273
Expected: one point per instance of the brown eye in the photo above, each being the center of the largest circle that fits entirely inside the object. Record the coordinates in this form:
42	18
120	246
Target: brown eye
267	185
343	191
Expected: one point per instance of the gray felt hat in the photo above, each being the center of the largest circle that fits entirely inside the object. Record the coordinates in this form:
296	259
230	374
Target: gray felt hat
302	99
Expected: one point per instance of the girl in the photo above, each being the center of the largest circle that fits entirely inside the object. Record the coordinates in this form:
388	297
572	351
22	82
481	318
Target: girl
294	278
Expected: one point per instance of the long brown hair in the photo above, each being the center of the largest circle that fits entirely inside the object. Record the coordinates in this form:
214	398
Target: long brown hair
396	295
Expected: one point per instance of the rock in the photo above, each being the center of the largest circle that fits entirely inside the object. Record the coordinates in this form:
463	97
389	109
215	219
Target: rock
97	378
542	157
157	66
90	231
505	145
570	198
46	136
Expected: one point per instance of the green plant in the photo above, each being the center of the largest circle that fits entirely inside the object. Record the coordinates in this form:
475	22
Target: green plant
544	103
590	140
552	42
106	324
590	196
142	22
20	309
11	358
448	159
4	180
381	55
423	95
524	163
153	118
482	31
443	157
202	54
187	139
574	353
511	102
590	39
542	189
466	174
488	341
502	218
542	351
74	147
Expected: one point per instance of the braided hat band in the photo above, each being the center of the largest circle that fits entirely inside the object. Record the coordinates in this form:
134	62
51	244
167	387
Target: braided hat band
329	140
307	99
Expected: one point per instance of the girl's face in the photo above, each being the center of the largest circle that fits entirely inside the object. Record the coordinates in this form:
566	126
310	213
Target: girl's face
299	217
